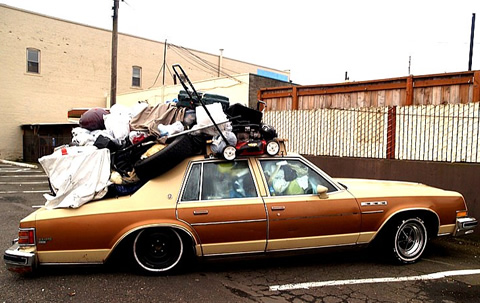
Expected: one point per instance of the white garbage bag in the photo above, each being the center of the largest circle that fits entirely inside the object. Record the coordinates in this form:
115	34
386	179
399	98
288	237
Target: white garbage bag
77	174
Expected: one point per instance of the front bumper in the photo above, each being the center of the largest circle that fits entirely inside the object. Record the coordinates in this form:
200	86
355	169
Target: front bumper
465	226
20	259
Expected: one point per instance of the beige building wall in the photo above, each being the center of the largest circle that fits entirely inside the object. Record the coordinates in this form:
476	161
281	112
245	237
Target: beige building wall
235	88
75	70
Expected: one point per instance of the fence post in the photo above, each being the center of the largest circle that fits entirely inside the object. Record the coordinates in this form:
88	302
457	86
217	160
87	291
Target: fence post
409	91
476	86
294	98
391	131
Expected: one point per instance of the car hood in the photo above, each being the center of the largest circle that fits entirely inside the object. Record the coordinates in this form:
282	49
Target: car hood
384	188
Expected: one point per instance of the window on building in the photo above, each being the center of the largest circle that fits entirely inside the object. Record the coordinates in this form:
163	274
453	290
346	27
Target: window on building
136	76
33	60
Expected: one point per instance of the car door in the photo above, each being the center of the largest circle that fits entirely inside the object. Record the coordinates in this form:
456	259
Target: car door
298	216
220	201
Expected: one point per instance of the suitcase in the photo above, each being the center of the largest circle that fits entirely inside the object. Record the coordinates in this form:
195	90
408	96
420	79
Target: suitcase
211	98
184	100
247	114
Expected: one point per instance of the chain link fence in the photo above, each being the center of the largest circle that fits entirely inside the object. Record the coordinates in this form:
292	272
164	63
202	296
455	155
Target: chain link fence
447	133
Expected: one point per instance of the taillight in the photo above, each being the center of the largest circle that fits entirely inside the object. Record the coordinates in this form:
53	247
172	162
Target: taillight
26	236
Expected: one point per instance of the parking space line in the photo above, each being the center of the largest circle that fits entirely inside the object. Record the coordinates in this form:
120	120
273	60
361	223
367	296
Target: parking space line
23	183
25	176
24	192
433	276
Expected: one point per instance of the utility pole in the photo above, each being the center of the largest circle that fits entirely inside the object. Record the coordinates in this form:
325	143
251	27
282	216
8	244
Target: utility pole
472	32
113	82
164	60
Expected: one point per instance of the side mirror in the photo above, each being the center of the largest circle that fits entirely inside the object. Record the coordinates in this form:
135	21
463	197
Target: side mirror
322	192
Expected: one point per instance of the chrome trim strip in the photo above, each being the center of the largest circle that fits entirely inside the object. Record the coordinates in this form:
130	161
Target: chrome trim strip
229	222
374	203
129	232
315	217
372	212
72	263
387	220
235	253
312	247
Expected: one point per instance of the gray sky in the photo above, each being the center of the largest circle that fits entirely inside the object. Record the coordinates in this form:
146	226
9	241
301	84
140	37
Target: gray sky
316	40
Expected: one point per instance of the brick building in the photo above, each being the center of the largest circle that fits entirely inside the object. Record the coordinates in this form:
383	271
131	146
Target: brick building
50	66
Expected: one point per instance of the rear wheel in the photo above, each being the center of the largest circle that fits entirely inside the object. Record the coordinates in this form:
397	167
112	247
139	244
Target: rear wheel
409	240
158	250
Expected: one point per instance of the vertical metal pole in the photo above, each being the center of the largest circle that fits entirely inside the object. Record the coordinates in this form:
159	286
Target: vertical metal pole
113	82
164	61
472	33
220	59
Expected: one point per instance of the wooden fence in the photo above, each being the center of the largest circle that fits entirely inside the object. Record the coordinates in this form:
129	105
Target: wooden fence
448	88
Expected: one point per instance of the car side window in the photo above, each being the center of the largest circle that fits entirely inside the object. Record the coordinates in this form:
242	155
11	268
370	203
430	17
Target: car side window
292	177
219	180
227	180
192	187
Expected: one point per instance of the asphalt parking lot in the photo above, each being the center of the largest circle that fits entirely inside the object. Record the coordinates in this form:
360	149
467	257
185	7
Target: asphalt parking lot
449	271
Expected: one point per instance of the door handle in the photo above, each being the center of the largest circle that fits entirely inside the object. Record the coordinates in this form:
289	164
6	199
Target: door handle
277	208
200	212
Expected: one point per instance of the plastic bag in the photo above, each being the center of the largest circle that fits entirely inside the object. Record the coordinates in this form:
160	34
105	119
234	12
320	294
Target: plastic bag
118	124
168	130
218	144
215	110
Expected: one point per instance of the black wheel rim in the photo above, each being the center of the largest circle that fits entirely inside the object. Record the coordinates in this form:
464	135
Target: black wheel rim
157	250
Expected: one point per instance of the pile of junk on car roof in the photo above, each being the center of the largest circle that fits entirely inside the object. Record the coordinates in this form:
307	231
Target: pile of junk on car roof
113	153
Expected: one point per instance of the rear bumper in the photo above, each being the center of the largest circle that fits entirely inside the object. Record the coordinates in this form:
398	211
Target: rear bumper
465	226
20	259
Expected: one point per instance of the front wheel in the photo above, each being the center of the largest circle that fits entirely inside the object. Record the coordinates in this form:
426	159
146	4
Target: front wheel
158	250
409	240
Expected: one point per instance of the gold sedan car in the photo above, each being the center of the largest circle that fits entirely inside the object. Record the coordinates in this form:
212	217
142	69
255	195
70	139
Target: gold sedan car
257	204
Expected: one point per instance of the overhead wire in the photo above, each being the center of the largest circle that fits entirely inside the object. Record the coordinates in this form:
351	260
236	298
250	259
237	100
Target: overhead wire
155	82
203	68
197	60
